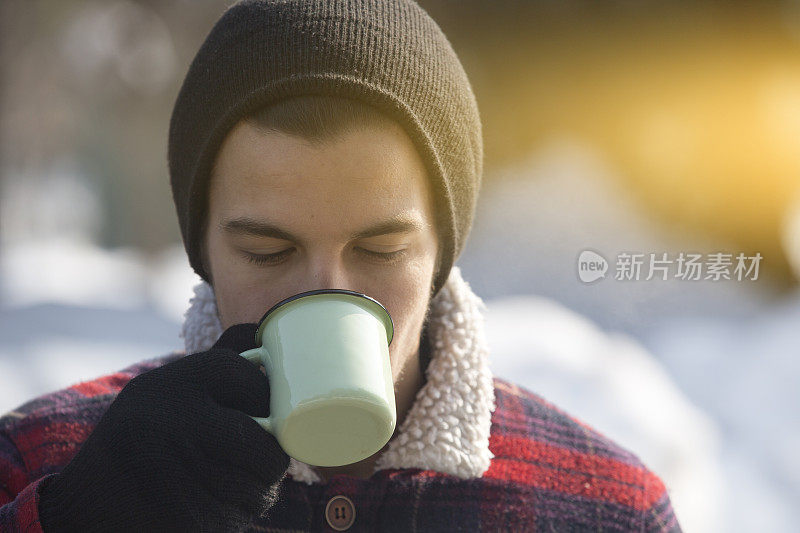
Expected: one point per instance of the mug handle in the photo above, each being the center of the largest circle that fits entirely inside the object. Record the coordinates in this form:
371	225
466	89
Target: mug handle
254	356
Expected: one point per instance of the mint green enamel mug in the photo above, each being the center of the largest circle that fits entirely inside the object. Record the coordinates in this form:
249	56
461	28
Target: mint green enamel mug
326	354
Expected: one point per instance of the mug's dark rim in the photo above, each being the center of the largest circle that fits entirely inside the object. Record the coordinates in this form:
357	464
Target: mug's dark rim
323	291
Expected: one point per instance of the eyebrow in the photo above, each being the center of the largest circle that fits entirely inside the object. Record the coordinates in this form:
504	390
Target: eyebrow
250	226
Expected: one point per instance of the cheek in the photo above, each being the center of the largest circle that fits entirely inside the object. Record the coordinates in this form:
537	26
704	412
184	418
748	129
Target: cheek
239	302
240	297
407	300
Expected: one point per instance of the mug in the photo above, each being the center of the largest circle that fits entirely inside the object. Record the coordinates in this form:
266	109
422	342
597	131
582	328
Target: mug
326	355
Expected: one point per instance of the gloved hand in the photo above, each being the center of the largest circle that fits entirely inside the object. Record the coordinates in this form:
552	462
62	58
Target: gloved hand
175	451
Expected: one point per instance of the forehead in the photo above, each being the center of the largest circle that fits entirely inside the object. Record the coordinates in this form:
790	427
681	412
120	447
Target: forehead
365	169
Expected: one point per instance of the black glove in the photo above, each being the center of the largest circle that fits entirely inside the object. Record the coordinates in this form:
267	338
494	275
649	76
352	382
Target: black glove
175	451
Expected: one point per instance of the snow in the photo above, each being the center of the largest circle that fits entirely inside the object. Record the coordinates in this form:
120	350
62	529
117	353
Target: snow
96	313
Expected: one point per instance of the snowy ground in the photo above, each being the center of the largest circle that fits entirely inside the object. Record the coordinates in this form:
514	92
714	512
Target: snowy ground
96	313
699	380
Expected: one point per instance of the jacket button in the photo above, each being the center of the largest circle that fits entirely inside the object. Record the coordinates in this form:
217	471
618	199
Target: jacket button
340	513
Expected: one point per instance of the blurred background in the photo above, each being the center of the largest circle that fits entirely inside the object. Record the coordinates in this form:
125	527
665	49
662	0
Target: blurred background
619	126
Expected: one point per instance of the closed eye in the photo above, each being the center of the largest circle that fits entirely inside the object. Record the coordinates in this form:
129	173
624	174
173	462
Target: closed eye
388	257
268	259
278	257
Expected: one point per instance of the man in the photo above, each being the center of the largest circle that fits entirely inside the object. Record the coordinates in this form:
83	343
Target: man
320	145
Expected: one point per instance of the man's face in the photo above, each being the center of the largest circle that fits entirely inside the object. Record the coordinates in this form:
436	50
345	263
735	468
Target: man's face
354	212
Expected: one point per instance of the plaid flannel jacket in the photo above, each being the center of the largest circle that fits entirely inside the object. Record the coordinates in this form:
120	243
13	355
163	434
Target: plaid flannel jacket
550	472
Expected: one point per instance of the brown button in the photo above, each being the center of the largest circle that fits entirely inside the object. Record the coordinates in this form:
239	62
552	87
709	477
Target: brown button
340	513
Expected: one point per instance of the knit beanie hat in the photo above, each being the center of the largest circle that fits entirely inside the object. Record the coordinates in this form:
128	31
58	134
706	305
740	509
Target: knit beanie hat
389	54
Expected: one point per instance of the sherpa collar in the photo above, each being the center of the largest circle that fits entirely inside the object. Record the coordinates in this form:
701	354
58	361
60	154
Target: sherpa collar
447	427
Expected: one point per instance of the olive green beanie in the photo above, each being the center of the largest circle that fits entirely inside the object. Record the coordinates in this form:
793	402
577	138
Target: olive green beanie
387	53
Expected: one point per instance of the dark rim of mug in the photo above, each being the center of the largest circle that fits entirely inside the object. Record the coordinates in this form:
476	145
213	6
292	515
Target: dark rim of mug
323	291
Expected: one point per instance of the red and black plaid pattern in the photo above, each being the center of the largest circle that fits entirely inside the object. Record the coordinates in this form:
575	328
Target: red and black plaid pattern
550	472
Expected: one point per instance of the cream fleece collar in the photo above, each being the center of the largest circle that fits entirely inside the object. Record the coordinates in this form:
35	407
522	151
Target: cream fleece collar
447	427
